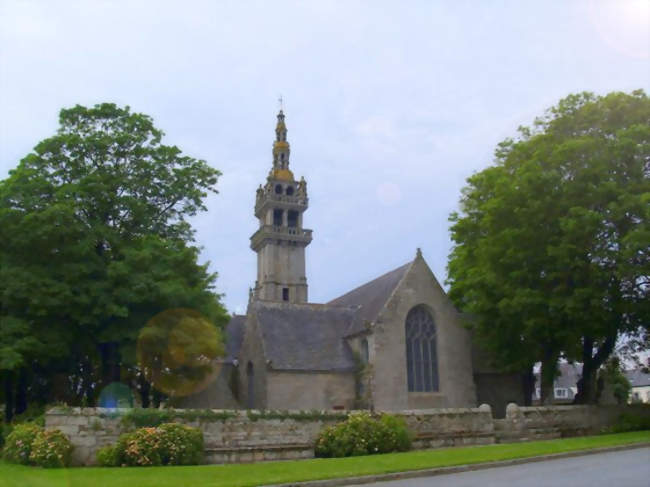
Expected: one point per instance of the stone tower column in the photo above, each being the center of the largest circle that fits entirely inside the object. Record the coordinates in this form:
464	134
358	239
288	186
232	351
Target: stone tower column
280	240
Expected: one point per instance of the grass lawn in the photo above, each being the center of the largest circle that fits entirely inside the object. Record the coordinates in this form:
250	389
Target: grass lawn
291	471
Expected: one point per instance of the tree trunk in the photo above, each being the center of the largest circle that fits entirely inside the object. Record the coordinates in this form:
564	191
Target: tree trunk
587	385
157	398
88	380
145	389
528	383
9	395
21	391
110	363
549	369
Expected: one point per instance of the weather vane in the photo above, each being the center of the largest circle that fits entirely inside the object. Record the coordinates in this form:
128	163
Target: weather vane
280	102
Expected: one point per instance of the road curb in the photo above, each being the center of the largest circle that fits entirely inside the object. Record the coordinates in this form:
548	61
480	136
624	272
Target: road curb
431	472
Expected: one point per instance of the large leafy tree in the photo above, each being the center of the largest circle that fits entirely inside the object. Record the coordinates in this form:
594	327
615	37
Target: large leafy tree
95	241
552	243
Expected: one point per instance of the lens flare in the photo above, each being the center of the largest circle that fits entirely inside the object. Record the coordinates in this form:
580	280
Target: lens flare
178	352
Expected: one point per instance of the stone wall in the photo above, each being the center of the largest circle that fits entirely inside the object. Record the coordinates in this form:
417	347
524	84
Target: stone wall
326	390
243	438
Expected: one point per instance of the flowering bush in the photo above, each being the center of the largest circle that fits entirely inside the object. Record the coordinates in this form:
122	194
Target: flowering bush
180	444
140	447
18	444
167	444
362	434
51	449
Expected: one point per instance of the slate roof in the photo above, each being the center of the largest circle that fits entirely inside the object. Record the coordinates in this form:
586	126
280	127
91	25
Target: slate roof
638	378
370	298
305	336
234	336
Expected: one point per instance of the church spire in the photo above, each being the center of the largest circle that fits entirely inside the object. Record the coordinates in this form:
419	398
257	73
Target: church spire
281	151
280	240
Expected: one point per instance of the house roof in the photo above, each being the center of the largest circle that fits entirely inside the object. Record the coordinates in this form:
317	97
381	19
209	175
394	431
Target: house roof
371	297
569	374
638	378
234	336
305	337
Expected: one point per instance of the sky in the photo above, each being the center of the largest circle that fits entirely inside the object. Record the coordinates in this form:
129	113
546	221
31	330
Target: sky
390	106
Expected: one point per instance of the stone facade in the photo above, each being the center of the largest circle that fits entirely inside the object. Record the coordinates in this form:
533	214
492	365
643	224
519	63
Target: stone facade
242	438
389	382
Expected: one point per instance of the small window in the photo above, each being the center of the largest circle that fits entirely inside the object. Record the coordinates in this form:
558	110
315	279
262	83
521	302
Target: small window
365	354
278	189
277	217
292	218
561	392
289	190
285	294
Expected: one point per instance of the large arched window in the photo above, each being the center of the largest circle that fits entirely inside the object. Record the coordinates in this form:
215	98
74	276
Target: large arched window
421	356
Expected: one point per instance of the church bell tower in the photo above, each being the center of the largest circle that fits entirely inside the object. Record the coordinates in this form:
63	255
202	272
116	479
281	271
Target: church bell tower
280	240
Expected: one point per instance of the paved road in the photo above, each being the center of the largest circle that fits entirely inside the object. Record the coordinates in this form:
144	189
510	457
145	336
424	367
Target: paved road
628	468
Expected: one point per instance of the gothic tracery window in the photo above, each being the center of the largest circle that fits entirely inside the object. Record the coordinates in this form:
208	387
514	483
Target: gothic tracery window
421	356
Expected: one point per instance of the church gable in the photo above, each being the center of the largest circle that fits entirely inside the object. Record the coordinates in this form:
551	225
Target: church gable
448	348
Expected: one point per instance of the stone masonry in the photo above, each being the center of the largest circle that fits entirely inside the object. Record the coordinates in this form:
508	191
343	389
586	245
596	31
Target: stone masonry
243	438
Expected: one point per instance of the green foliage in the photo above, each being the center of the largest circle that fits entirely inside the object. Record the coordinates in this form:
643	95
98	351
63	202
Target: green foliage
140	448
361	434
154	417
35	413
5	429
51	449
315	414
97	241
612	376
108	456
167	444
294	471
631	422
551	251
180	444
18	444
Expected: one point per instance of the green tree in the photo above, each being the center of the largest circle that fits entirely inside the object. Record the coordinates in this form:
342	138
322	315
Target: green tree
96	240
551	251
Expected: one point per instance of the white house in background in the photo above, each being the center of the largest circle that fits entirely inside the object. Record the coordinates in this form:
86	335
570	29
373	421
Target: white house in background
565	385
640	382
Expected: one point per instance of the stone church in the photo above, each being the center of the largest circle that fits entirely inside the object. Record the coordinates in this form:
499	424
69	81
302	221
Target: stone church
394	343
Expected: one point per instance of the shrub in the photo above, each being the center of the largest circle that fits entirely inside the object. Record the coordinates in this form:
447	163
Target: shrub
18	445
630	422
180	444
51	449
5	429
108	456
140	447
361	434
167	444
397	436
